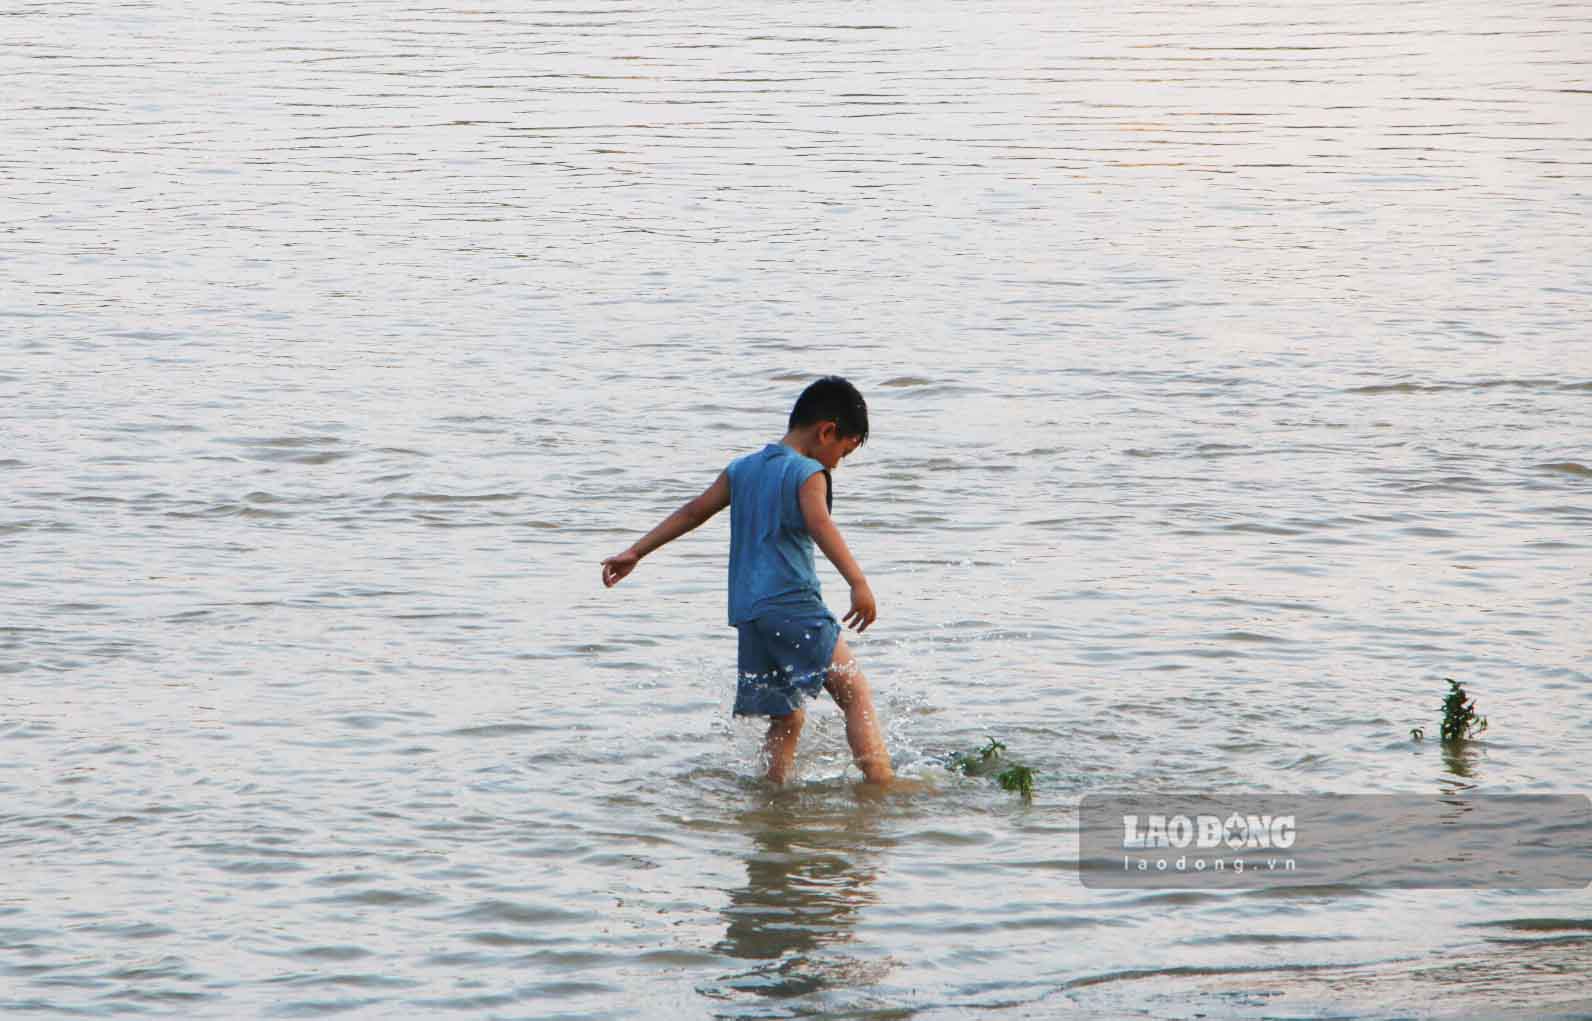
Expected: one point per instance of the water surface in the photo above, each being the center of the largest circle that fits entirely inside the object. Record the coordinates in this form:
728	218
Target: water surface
1230	388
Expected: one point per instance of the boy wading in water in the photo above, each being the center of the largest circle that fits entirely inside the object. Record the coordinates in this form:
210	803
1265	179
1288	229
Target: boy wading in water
790	644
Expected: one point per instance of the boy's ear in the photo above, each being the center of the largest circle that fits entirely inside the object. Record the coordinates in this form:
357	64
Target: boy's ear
827	431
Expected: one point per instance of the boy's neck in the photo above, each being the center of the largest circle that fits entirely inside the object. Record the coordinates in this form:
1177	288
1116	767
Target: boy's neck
803	440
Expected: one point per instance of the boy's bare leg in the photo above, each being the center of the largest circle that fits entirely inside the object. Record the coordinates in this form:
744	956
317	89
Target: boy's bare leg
780	745
849	688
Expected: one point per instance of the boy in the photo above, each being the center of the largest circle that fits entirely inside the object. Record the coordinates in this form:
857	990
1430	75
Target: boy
790	644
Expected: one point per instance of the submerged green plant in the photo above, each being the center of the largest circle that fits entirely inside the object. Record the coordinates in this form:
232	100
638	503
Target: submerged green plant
1014	777
1019	779
1460	721
977	763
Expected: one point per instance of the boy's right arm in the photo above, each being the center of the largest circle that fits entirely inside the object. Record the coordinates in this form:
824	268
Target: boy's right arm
690	514
815	513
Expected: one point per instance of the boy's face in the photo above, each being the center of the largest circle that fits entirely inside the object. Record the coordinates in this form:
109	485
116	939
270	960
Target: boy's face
832	446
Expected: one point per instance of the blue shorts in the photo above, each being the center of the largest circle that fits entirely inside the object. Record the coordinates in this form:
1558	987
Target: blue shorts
784	658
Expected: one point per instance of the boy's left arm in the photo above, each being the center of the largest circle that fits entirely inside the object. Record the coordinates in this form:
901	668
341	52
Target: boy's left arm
813	498
690	514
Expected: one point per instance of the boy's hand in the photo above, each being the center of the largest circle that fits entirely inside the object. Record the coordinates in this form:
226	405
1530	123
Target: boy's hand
615	568
863	608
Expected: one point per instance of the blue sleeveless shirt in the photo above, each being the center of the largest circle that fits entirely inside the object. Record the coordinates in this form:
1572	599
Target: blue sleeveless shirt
771	551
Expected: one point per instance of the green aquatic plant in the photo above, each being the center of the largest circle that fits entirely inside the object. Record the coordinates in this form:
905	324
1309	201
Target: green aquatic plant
1014	777
1460	722
977	763
1019	779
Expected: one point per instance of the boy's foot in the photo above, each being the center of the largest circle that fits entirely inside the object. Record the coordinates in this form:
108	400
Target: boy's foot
896	785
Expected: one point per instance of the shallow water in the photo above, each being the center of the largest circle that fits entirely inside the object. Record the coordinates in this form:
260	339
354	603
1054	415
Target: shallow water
1230	389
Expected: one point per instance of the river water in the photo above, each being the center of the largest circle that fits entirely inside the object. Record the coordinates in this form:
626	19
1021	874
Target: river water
1230	384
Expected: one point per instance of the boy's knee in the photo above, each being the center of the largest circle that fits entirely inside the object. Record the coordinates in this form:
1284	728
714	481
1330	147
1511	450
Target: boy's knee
845	684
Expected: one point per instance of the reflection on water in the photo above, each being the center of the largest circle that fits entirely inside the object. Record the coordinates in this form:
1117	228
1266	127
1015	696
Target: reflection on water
1462	760
809	876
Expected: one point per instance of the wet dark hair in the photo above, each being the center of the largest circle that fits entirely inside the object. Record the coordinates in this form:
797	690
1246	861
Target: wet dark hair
832	399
